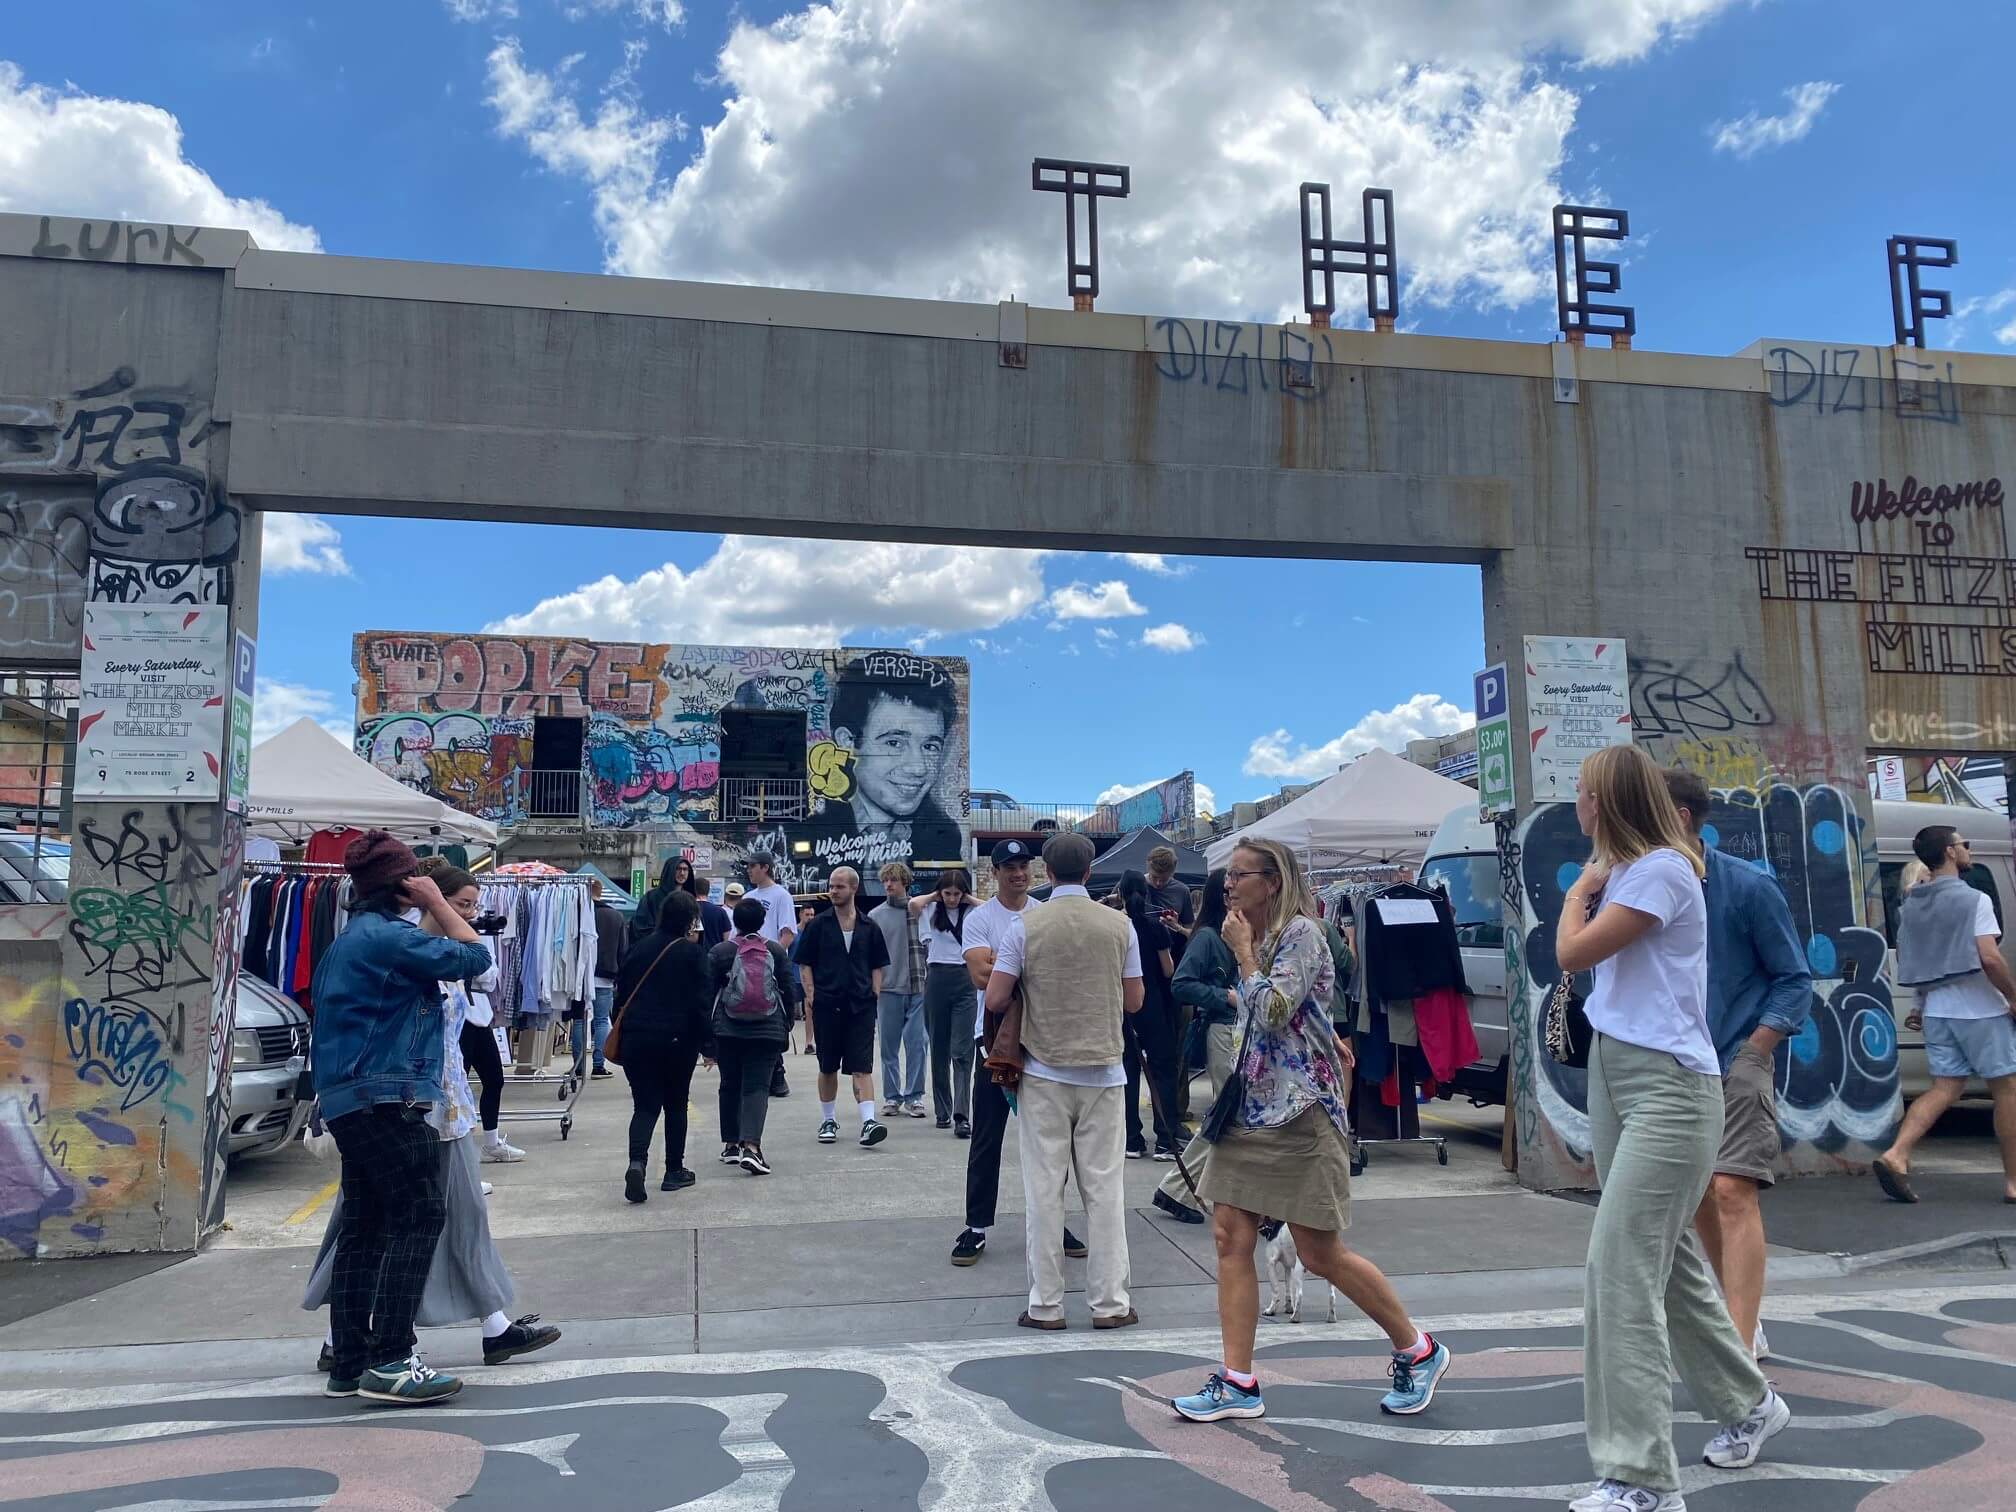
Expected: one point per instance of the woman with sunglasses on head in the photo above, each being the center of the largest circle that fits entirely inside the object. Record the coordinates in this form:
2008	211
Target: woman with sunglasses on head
948	997
1637	921
1286	1154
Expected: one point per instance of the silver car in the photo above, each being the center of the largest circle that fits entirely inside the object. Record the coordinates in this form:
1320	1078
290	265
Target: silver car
269	1051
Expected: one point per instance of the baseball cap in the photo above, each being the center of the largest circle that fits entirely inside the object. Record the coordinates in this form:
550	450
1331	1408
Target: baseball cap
734	890
1006	851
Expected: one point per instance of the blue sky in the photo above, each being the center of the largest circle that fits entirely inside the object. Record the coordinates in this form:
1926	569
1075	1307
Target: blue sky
1763	149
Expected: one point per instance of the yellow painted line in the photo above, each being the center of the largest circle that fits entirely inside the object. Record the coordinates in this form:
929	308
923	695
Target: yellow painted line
308	1209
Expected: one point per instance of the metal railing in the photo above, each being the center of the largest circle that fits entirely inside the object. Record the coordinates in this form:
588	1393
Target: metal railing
1042	818
550	796
759	800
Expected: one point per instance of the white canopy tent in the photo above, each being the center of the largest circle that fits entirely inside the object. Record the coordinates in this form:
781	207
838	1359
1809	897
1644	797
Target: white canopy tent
1380	810
304	779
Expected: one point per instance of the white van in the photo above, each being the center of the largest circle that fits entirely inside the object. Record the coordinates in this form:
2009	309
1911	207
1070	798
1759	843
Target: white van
1463	860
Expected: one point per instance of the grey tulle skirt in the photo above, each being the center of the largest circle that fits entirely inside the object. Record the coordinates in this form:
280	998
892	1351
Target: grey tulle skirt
467	1279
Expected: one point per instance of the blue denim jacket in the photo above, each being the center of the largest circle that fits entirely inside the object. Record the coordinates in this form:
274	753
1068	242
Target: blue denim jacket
377	996
1757	971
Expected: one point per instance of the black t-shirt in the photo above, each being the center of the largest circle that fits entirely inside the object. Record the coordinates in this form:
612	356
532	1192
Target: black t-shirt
839	974
1155	981
1175	897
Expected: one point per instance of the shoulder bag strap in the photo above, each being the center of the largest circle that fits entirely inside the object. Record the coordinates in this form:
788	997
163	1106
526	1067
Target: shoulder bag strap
625	1005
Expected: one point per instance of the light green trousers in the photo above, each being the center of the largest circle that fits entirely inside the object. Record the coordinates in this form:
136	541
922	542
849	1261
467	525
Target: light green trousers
1649	1297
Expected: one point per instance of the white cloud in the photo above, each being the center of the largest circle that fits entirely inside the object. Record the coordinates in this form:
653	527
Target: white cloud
1993	306
302	543
883	146
480	10
1109	600
1104	636
765	592
1750	134
64	152
1422	715
1154	562
276	705
1171	637
670	14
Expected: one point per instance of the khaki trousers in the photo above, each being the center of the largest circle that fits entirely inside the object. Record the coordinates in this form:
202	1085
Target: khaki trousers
1649	1298
1074	1131
1218	1051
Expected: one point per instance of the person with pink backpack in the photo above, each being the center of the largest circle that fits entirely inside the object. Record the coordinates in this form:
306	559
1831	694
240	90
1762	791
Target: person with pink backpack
755	1001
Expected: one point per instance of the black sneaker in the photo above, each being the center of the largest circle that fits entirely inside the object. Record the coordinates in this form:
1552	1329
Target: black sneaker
1137	1152
522	1337
1163	1152
677	1181
972	1243
325	1361
944	1123
961	1129
633	1182
731	1154
872	1134
779	1085
601	1073
1181	1212
753	1162
1074	1247
829	1130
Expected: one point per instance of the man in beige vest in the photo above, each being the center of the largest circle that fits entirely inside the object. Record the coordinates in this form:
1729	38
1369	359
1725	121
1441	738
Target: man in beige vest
1079	968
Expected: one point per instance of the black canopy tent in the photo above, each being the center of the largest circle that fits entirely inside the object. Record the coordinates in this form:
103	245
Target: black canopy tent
1131	854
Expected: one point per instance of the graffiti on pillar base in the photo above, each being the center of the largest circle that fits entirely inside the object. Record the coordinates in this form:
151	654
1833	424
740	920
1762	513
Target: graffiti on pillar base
1837	1079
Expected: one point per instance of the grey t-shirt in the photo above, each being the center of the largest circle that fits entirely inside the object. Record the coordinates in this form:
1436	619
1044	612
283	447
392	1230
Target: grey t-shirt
896	925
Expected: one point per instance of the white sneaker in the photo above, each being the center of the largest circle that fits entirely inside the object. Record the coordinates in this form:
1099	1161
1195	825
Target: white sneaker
503	1152
1642	1499
487	1188
1759	1345
1737	1446
1599	1496
914	1109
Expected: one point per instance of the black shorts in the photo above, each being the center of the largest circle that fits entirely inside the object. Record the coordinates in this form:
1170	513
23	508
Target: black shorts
846	1038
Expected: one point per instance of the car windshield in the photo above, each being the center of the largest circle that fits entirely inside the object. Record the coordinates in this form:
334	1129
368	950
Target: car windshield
32	871
1472	884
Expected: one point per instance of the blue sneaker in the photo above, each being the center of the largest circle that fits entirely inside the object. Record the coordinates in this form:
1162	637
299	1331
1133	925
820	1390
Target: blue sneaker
1414	1381
1220	1399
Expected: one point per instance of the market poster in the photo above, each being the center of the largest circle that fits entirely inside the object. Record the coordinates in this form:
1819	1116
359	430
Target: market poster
1578	701
155	686
243	679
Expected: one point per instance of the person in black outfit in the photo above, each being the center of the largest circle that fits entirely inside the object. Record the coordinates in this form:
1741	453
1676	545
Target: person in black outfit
715	925
841	957
662	993
748	1050
1151	1033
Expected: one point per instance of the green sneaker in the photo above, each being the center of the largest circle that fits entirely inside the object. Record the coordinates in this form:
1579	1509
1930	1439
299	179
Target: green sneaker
340	1386
407	1383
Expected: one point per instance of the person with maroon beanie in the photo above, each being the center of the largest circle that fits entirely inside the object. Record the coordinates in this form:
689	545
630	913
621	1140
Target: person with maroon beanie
377	1056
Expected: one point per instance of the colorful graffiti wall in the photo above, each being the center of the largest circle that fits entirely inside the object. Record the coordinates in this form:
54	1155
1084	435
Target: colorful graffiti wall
883	774
1169	806
1777	806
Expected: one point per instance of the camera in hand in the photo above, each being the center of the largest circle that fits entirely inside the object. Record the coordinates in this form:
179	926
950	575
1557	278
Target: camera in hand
489	924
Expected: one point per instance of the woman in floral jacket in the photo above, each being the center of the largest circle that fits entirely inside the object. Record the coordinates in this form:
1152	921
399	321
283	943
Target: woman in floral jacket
1286	1155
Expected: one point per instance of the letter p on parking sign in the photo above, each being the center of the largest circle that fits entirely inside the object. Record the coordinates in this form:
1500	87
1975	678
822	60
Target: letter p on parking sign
1494	743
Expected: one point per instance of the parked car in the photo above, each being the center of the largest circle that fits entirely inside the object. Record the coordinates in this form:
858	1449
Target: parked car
269	1051
34	870
994	811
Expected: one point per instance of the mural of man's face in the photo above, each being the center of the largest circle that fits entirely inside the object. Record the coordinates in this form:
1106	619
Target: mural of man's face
898	754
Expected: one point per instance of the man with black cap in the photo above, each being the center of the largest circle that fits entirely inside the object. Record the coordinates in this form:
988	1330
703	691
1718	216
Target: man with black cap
379	1045
985	928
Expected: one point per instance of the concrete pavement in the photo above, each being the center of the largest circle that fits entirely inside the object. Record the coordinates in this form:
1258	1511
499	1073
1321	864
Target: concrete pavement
801	1341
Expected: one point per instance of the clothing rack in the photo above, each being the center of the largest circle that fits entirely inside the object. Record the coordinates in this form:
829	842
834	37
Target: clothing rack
527	1053
1370	1118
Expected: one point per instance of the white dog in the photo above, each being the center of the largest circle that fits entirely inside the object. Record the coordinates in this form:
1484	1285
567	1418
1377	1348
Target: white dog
1285	1276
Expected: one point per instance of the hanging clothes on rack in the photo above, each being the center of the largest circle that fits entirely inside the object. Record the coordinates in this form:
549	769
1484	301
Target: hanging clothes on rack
1411	1015
288	914
546	954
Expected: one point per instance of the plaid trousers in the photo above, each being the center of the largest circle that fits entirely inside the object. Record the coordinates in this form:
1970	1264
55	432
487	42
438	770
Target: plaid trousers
394	1208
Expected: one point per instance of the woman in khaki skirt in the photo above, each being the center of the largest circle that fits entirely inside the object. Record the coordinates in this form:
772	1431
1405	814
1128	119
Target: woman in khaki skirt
1285	1155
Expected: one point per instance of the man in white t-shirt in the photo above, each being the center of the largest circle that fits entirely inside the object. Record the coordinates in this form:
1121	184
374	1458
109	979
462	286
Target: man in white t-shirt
1079	968
1946	947
984	930
780	927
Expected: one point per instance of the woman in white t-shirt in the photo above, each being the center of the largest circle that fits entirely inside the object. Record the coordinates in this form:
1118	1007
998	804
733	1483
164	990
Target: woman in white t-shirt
1636	920
948	997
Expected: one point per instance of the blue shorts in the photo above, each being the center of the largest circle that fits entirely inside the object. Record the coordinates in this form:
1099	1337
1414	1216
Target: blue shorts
1971	1047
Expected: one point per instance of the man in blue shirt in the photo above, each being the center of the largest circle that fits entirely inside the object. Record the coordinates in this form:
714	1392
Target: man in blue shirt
1759	993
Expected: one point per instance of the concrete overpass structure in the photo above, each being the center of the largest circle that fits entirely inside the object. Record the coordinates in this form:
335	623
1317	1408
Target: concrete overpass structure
162	387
